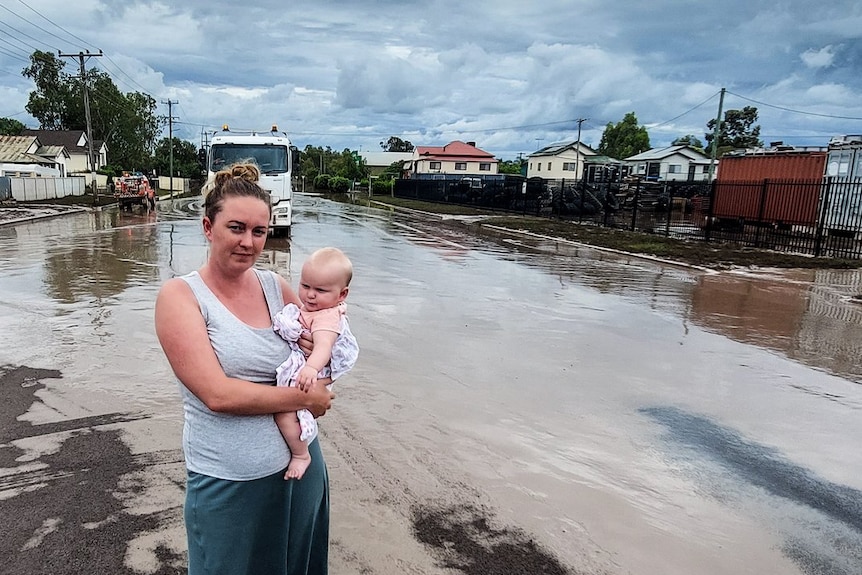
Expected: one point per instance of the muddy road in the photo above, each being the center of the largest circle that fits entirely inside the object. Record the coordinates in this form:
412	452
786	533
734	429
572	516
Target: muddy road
520	406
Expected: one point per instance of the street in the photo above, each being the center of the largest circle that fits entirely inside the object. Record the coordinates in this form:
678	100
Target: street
521	405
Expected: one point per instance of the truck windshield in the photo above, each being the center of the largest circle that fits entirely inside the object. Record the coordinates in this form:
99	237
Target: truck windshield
270	159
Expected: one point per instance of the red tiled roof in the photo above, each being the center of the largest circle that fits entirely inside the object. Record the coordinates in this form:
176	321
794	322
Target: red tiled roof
456	150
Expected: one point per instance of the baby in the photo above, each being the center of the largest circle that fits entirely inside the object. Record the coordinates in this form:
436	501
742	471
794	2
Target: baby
323	287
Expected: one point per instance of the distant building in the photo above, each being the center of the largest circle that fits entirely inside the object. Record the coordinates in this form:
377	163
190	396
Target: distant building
455	158
377	162
75	142
672	163
26	157
560	161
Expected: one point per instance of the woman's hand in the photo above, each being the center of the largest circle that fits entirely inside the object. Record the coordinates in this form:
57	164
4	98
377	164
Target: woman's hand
306	343
319	398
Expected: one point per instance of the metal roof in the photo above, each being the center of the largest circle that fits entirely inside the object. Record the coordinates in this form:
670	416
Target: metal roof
13	149
662	153
558	147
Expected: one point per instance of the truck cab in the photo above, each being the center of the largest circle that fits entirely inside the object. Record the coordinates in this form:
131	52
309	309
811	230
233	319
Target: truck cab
273	154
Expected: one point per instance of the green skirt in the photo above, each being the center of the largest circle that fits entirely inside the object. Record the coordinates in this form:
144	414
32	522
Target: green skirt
266	526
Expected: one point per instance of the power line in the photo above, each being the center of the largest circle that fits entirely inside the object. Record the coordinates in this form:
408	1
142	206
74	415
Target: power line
55	24
12	54
684	113
127	76
23	55
81	56
171	142
31	46
113	74
796	111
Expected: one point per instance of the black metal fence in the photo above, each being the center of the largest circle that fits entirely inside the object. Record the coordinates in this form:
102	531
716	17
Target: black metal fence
815	217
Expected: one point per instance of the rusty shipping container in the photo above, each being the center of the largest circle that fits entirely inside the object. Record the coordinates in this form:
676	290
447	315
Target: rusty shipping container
771	188
773	166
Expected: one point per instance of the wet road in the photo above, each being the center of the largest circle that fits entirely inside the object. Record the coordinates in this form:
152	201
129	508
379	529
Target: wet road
611	413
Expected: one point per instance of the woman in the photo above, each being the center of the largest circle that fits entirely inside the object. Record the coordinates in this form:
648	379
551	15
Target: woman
215	327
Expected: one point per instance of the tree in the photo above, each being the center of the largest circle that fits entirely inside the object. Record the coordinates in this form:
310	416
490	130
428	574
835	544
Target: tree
10	127
127	123
624	139
345	165
688	140
509	167
396	144
185	158
737	131
47	103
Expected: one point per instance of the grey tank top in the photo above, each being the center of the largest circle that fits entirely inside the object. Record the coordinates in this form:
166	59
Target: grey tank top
236	447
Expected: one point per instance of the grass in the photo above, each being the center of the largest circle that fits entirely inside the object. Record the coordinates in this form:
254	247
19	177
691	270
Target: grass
713	254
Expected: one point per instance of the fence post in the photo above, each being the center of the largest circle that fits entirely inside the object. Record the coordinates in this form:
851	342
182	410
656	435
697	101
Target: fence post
635	206
669	211
826	188
760	210
606	202
710	210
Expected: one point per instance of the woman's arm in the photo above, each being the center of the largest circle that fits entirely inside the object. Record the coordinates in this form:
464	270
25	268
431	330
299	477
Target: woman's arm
182	333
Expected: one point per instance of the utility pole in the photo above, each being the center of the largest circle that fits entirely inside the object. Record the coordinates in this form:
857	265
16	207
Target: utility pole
171	142
715	133
80	56
578	148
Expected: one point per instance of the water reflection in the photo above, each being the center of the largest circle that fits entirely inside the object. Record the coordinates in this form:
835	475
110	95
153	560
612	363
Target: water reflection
119	253
807	315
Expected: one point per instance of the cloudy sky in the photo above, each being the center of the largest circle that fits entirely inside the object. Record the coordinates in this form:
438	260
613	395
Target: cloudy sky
511	76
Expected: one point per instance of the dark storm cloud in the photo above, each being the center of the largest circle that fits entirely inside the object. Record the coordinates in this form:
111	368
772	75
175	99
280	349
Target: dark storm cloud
350	74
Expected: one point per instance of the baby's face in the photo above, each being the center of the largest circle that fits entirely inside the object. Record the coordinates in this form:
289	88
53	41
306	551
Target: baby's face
321	287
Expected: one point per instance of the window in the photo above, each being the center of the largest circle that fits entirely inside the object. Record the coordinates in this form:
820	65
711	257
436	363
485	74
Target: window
270	159
838	163
434	165
539	164
549	166
484	167
461	166
570	167
674	169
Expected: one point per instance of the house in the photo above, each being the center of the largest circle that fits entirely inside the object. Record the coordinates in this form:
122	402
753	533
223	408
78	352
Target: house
25	156
560	161
377	162
455	158
75	142
672	163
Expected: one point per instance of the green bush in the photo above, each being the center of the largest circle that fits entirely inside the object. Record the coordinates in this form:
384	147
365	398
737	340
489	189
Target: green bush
339	185
321	182
381	187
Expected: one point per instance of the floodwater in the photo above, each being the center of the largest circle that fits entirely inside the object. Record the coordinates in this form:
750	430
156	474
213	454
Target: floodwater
616	414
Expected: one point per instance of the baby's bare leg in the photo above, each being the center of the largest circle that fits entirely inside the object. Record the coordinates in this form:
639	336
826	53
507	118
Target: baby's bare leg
288	424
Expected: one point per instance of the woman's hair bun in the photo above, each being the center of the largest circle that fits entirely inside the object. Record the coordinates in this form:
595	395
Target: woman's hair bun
246	171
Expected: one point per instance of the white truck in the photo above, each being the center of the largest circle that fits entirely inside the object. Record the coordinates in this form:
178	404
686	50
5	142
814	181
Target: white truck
273	154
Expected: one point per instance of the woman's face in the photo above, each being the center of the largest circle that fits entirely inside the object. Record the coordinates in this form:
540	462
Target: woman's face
238	234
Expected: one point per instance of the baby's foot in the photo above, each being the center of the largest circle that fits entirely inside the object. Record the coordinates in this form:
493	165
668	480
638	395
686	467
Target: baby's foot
297	466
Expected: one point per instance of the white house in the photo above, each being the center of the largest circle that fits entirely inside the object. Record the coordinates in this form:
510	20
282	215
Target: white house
26	157
377	162
560	161
455	158
672	163
75	142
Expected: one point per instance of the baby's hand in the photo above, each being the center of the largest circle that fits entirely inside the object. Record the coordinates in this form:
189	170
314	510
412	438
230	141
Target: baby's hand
306	377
